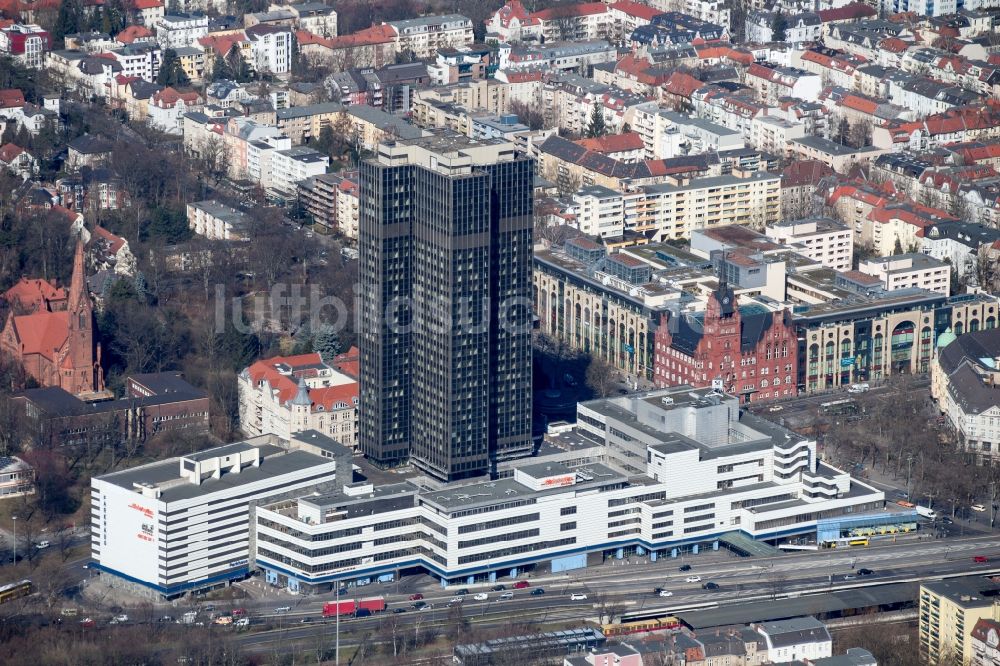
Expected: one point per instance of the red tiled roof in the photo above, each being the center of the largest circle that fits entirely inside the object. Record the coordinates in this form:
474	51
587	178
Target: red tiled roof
804	172
168	97
859	103
636	9
222	44
10	98
328	396
32	294
114	242
524	77
855	10
512	10
613	143
725	52
42	333
377	34
10	151
893	45
147	4
682	84
563	11
349	362
132	33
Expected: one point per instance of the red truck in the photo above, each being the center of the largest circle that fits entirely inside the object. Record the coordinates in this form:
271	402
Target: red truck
339	608
372	604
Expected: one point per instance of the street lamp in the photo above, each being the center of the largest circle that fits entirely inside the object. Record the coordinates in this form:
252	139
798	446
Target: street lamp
14	518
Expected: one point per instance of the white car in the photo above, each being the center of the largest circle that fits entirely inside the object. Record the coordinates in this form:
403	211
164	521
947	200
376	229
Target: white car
455	600
666	593
578	596
507	595
775	408
42	544
978	507
693	579
482	596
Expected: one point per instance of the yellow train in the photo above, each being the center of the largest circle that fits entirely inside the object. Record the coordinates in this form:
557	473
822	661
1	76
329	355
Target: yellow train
641	626
12	591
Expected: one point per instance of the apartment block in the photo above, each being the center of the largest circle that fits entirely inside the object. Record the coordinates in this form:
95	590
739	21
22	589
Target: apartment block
822	239
949	609
216	221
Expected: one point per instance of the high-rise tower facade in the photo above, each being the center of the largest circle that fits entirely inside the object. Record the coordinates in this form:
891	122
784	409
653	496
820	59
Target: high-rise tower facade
446	243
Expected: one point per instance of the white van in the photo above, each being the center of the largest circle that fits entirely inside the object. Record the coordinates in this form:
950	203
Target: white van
858	388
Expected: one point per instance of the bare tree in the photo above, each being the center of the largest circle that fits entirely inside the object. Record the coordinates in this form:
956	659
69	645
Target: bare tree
601	378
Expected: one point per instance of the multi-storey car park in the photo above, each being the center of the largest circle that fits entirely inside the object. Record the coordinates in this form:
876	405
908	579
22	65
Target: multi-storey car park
655	473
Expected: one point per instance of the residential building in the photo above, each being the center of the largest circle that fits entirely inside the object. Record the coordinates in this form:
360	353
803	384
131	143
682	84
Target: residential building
949	610
703	349
772	82
683	468
512	23
149	12
796	639
292	165
168	107
206	499
153	404
610	655
18	161
774	134
561	56
25	43
423	36
110	252
286	395
372	47
216	221
800	28
17	478
599	211
903	271
963	245
965	383
469	205
986	643
316	17
333	201
271	48
141	60
177	30
822	239
579	21
303	124
837	156
372	126
57	347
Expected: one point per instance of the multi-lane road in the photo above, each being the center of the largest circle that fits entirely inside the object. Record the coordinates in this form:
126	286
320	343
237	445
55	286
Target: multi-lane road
629	589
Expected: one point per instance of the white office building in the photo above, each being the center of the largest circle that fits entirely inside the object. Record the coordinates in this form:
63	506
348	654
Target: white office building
903	271
649	474
822	239
183	524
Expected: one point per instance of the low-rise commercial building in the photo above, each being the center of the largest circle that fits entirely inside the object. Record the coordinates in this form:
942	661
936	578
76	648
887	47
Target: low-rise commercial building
684	467
183	524
17	477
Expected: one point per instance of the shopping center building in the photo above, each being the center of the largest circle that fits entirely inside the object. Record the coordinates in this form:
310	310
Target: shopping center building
652	474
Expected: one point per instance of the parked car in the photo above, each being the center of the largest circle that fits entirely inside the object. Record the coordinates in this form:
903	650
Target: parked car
242	622
537	591
865	572
980	559
775	408
693	579
461	592
398	610
578	596
41	545
419	605
975	507
282	609
482	596
521	584
456	600
858	388
416	597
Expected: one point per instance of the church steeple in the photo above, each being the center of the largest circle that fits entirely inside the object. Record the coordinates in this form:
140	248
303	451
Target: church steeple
82	357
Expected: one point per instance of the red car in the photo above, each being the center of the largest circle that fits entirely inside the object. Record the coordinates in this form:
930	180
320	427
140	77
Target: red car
980	559
521	584
237	612
416	597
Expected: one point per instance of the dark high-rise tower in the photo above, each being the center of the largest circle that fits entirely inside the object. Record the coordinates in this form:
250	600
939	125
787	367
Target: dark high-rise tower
445	237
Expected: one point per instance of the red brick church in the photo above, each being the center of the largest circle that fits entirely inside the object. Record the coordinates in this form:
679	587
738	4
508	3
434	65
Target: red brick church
50	332
750	351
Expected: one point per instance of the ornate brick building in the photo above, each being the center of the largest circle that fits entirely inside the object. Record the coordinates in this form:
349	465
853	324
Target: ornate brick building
55	344
748	351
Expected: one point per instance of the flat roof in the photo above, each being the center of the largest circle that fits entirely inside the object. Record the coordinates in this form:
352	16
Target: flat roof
275	461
